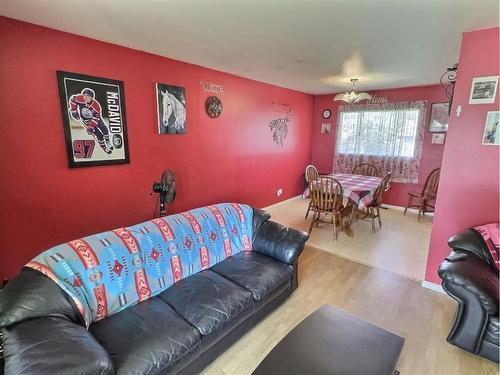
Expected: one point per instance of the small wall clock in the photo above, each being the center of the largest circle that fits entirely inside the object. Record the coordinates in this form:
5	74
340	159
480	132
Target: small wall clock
327	114
213	106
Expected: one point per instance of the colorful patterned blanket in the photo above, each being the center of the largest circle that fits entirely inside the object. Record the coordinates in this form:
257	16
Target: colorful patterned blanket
491	236
108	272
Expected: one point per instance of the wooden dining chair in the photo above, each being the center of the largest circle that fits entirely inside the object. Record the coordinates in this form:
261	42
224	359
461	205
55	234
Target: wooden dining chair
311	174
428	194
366	169
373	209
326	199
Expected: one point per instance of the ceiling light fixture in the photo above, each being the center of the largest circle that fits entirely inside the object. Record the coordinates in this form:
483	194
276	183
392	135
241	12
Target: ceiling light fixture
353	96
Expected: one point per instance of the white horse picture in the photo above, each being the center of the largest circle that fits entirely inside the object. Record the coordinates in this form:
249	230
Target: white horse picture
171	111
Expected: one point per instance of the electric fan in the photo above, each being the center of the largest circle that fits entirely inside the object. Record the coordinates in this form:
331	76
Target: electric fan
166	189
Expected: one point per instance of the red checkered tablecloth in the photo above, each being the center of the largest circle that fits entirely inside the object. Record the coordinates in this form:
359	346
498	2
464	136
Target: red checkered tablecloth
357	188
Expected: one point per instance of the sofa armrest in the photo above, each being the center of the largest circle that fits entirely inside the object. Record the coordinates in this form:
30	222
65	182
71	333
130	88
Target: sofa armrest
33	295
473	275
52	345
277	241
259	218
470	241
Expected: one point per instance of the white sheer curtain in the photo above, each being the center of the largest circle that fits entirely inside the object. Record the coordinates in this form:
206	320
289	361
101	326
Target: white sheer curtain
390	136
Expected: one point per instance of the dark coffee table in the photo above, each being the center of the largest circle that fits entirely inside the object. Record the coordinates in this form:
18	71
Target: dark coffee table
333	342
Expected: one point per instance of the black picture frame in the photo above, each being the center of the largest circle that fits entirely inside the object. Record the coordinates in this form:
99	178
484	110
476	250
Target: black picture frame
439	118
171	109
95	130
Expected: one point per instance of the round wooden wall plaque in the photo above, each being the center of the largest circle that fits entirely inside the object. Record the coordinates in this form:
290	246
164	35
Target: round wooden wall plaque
213	106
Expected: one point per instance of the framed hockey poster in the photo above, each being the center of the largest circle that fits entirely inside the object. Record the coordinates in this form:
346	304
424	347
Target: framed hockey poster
95	126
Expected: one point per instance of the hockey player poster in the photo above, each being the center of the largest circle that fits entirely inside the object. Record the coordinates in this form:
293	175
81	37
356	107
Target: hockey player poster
95	127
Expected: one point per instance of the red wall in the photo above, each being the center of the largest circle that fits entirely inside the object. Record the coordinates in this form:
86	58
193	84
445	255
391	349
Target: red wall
233	158
324	144
469	186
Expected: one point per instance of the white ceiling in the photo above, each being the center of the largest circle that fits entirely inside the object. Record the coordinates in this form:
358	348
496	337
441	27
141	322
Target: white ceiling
312	46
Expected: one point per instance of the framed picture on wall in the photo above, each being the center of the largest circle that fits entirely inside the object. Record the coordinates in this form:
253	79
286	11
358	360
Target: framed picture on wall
483	90
171	106
438	139
491	135
439	118
95	125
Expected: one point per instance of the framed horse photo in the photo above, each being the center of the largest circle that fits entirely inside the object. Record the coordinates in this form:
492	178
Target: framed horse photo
93	113
171	104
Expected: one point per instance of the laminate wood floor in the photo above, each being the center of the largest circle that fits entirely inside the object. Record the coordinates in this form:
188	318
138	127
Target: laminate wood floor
400	246
395	303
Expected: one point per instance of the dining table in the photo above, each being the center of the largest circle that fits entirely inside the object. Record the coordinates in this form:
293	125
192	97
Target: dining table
359	190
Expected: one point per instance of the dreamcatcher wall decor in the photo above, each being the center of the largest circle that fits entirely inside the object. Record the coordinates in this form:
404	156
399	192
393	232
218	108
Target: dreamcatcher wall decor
279	126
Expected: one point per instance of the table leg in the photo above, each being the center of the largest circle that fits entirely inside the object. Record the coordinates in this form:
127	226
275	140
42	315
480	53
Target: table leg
353	210
347	226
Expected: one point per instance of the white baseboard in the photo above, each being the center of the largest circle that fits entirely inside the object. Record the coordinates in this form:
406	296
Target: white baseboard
280	203
401	208
432	286
391	206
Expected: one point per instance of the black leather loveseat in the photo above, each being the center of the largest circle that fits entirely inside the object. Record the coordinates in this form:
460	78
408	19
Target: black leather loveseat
469	275
179	331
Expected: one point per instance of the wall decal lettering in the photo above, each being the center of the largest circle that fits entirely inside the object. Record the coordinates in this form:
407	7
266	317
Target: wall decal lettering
212	87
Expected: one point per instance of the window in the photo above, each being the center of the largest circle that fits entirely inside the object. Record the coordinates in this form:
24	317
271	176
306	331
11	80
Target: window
378	132
389	136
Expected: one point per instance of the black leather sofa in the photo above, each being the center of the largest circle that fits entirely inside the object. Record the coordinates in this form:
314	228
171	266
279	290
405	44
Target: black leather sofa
472	280
180	331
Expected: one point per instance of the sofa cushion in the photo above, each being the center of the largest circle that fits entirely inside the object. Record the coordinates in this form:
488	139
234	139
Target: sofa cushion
258	273
208	301
147	338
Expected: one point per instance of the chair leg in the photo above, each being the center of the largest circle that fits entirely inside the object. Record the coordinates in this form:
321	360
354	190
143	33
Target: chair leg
354	208
373	219
342	224
420	209
378	216
312	222
308	208
335	234
408	205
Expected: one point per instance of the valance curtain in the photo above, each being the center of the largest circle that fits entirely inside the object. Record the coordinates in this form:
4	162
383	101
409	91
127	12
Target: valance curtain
390	136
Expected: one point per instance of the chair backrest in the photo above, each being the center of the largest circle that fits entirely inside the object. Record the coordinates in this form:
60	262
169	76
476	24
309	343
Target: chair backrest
326	193
382	188
366	169
311	173
431	184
